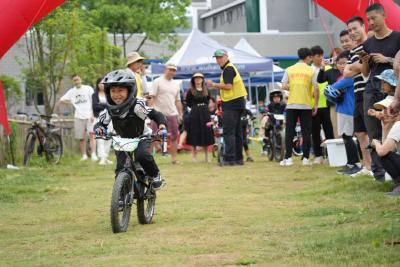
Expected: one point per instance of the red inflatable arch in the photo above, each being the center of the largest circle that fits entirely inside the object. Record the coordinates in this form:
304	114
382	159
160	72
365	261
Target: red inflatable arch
345	9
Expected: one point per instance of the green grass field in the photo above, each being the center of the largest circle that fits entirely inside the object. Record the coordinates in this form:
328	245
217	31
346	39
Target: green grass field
259	214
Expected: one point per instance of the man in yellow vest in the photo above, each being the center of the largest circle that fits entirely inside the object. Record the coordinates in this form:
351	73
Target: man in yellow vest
301	81
233	95
134	62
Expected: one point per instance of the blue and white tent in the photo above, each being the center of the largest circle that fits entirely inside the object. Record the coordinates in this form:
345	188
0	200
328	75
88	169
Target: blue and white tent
196	55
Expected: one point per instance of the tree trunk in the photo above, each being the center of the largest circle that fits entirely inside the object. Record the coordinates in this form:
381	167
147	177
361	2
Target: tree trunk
124	43
141	43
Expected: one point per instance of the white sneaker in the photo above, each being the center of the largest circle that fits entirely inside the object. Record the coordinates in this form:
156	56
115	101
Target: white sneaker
286	162
363	171
103	161
84	157
109	162
388	178
318	160
94	157
306	162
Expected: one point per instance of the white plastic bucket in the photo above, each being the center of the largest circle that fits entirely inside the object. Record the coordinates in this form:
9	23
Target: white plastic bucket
336	152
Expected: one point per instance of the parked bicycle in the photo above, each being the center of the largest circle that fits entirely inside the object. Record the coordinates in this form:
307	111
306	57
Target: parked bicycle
49	139
274	143
132	184
219	144
298	140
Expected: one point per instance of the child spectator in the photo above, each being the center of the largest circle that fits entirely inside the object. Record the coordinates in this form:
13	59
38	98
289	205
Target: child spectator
342	92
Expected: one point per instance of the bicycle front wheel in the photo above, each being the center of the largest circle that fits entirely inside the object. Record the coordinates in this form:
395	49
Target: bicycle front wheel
29	147
53	148
121	203
145	204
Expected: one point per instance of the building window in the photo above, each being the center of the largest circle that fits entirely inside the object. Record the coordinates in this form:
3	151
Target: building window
222	18
312	10
214	22
229	16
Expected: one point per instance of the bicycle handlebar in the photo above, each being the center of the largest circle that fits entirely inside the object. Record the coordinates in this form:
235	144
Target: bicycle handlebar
156	137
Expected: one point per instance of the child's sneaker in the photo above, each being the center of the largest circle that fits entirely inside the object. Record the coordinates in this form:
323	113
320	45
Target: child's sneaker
306	162
84	157
286	162
157	182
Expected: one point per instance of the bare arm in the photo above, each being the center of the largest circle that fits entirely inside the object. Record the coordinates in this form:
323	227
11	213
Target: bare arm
220	86
179	106
352	70
383	149
365	65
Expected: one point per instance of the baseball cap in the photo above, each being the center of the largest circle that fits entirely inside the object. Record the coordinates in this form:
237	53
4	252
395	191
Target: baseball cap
220	53
388	76
171	66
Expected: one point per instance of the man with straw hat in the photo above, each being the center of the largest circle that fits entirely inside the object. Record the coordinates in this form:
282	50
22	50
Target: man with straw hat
134	62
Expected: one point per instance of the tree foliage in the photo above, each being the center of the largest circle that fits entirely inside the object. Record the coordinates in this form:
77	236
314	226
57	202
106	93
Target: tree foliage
12	89
61	44
154	19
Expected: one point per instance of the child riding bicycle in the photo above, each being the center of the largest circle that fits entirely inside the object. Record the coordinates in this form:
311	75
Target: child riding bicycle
128	114
276	106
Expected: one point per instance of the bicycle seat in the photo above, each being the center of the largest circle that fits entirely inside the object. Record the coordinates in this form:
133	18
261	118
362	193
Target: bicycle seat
45	117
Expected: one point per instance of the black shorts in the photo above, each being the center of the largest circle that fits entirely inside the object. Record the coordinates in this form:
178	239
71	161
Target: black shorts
359	124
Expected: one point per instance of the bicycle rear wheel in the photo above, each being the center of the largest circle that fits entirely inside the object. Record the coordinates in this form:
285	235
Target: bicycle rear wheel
145	204
29	147
53	148
298	146
271	145
121	203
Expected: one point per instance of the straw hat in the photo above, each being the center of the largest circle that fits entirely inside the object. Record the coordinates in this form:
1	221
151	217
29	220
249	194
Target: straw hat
385	103
198	74
132	57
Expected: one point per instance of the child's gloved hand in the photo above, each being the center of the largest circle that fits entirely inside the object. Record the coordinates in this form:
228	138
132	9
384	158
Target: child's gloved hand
100	131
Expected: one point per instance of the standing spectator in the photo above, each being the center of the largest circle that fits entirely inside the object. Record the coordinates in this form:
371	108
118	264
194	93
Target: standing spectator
99	103
345	110
334	53
379	53
145	89
345	41
197	99
355	26
165	92
233	94
301	81
134	63
80	96
323	116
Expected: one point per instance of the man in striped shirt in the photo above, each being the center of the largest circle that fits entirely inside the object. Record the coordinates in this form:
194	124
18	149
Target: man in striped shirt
355	27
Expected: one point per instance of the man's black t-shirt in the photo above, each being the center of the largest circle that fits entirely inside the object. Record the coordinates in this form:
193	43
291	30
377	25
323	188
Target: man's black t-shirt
387	46
229	74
